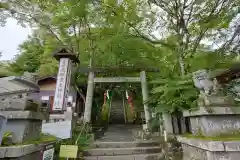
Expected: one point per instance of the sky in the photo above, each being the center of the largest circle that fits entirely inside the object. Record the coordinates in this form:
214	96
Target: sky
11	35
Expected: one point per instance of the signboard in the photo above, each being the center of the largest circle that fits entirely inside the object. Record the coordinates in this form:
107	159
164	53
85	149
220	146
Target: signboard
48	152
68	151
60	92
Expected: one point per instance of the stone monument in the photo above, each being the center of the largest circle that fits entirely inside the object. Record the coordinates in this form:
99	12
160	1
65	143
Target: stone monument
24	117
216	116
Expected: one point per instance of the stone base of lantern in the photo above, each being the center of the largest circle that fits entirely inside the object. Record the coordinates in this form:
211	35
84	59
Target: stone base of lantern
209	150
24	125
213	121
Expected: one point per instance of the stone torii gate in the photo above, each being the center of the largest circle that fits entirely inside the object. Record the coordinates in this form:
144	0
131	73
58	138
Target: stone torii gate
92	80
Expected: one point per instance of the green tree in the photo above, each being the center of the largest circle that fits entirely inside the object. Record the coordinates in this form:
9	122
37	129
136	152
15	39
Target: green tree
104	33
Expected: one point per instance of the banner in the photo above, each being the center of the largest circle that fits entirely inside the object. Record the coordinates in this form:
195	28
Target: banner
62	84
130	102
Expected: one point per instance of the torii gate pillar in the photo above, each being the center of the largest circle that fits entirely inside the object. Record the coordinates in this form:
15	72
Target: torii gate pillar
144	85
89	98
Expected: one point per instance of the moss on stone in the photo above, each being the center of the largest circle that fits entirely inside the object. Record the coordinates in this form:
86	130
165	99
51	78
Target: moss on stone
32	106
44	138
220	137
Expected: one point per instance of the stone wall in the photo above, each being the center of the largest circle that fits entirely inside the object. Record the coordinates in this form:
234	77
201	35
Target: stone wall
193	153
209	150
26	152
33	156
200	153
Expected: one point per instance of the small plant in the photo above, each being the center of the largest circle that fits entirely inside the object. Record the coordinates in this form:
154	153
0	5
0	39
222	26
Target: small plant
7	139
209	110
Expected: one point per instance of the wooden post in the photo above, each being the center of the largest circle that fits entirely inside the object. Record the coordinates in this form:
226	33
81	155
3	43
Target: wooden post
89	98
145	96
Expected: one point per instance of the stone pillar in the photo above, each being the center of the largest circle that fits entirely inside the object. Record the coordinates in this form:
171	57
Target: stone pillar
89	98
175	125
167	123
183	125
145	95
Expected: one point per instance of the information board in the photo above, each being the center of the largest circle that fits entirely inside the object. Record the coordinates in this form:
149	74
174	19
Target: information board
68	151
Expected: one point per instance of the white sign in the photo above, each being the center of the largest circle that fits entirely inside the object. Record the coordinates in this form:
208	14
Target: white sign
70	98
60	129
45	98
48	154
61	87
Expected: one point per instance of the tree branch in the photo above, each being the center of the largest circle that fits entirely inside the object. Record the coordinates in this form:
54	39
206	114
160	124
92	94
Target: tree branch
204	31
142	36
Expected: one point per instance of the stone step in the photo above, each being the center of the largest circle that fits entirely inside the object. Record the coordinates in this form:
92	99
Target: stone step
117	117
154	156
116	114
121	151
121	113
124	144
116	108
117	111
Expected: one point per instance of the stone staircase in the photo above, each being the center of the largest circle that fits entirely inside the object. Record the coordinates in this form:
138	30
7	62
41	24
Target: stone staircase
145	150
118	144
117	113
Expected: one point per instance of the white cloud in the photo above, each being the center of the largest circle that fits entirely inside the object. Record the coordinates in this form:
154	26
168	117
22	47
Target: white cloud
11	35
